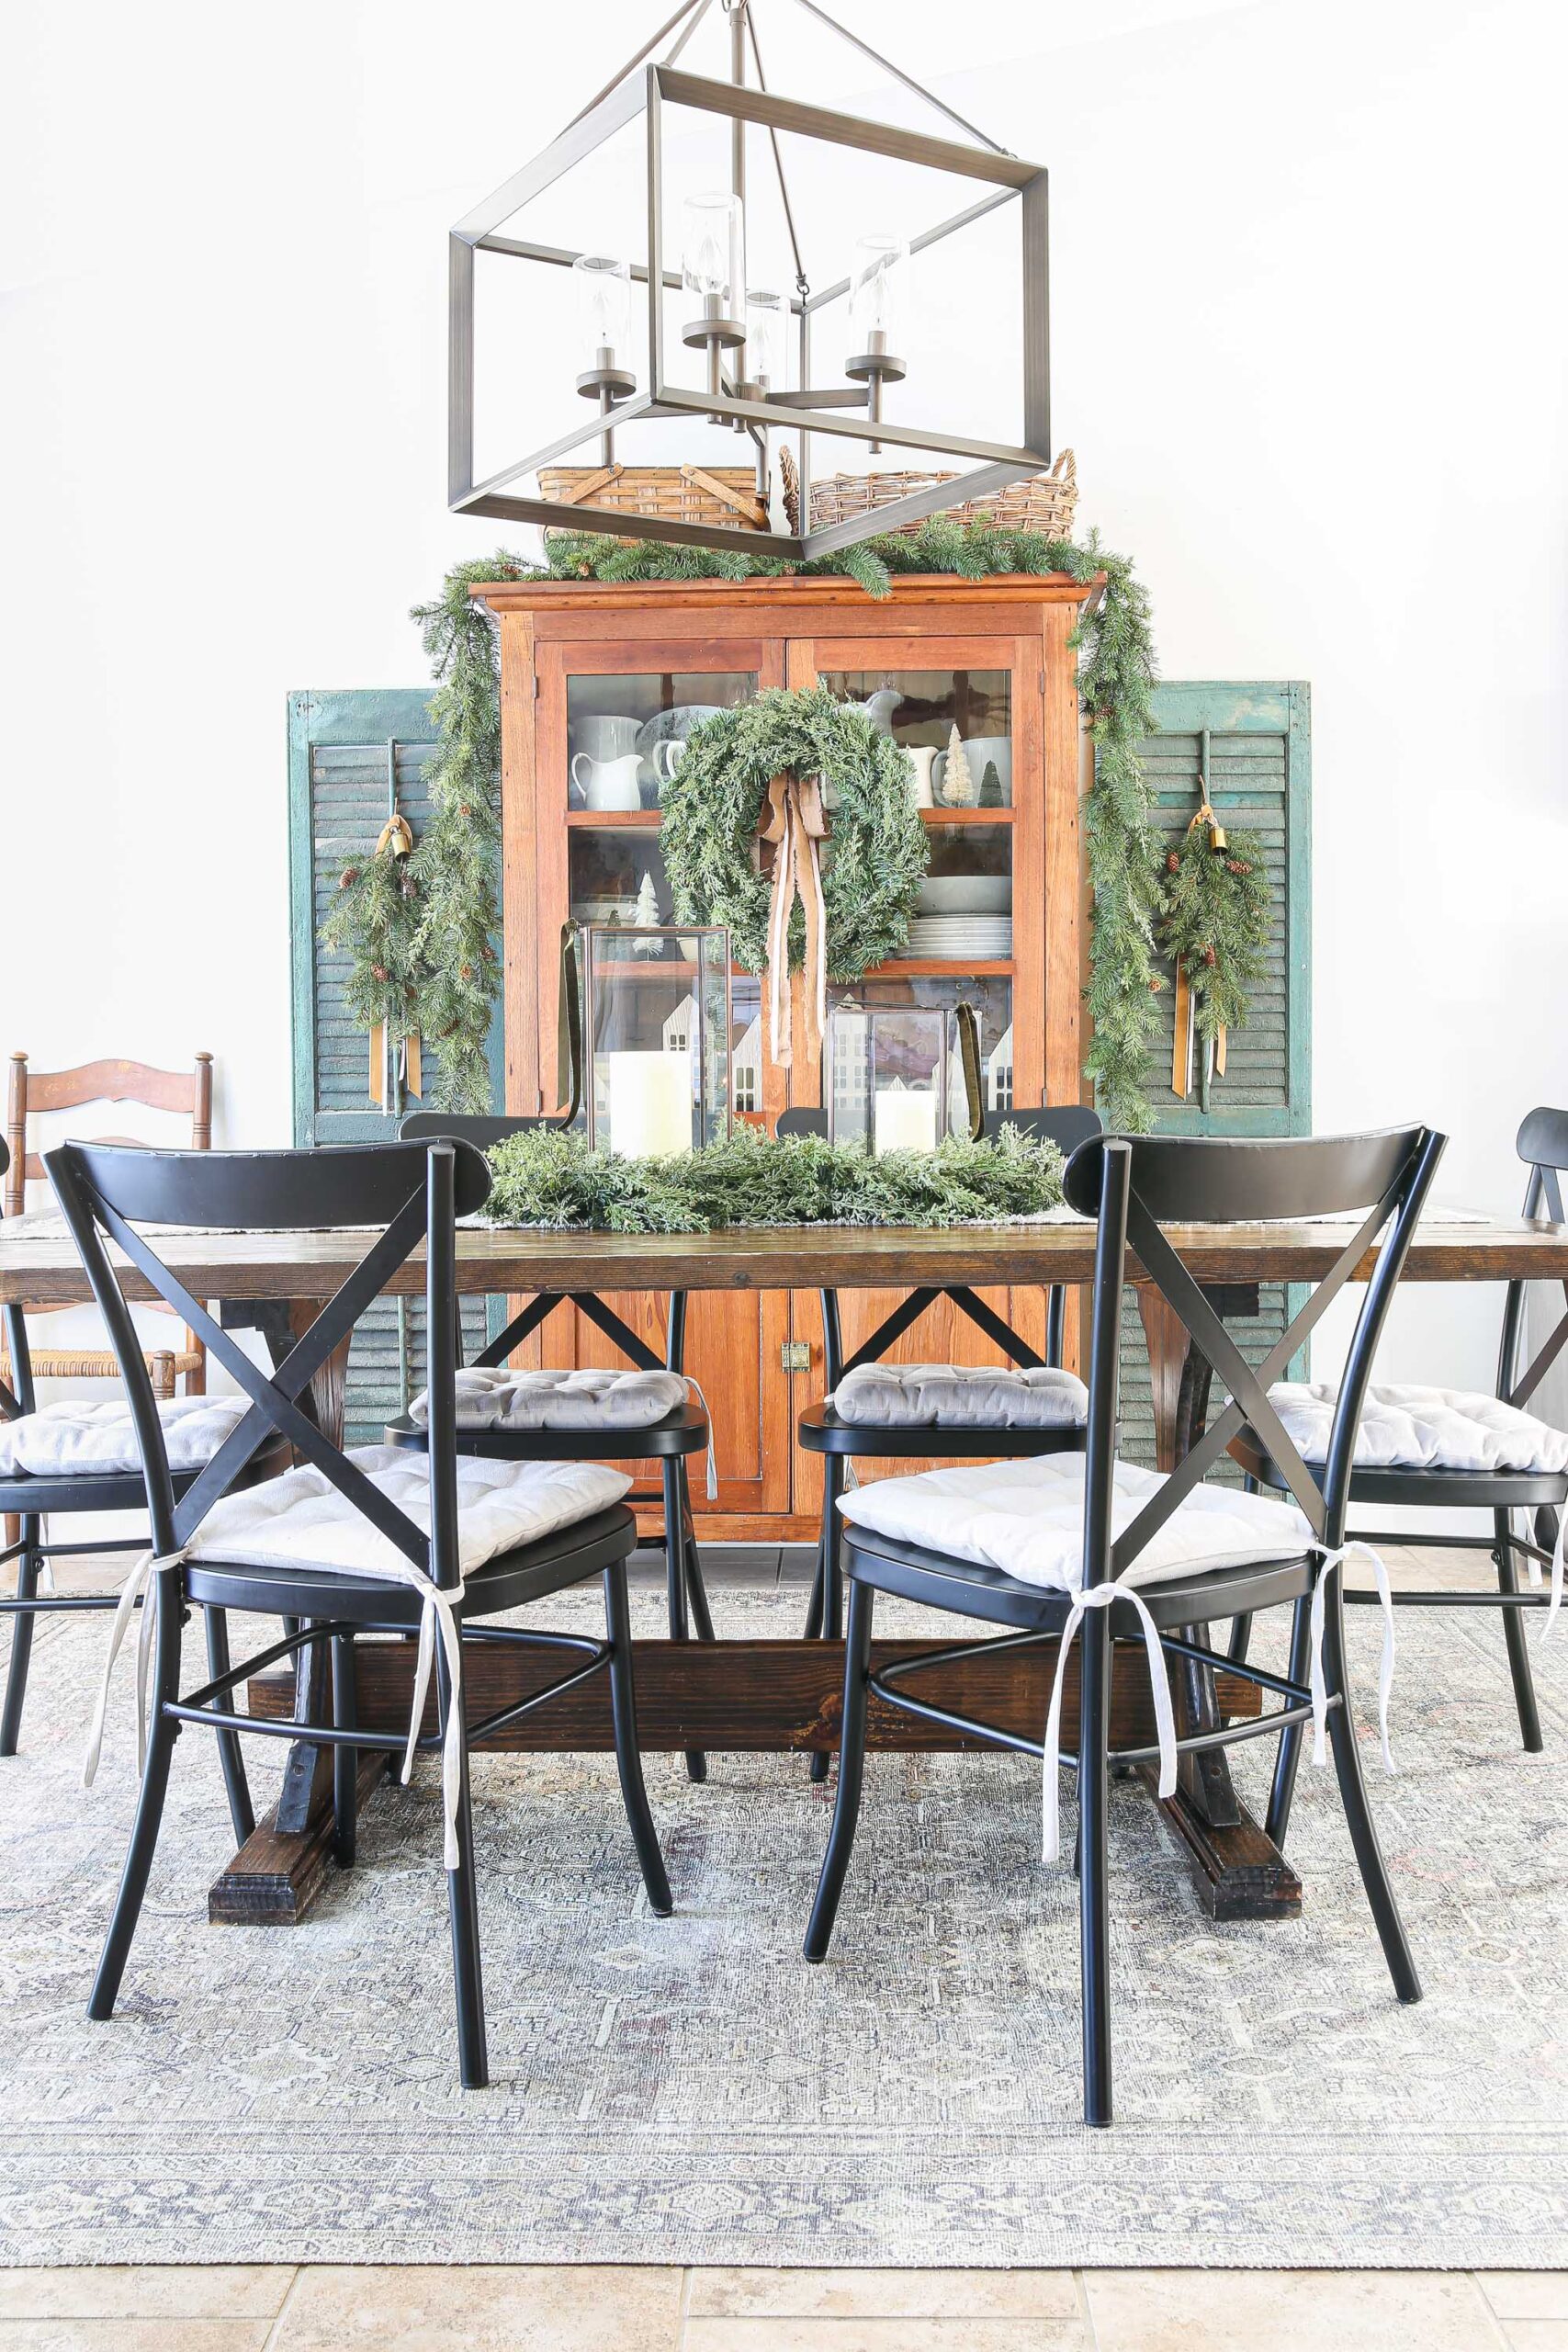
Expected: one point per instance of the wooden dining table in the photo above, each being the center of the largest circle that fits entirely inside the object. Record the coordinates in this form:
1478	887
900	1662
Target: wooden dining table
745	1695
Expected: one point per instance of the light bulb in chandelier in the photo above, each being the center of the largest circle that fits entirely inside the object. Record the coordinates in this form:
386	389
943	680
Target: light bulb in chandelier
603	307
764	339
879	277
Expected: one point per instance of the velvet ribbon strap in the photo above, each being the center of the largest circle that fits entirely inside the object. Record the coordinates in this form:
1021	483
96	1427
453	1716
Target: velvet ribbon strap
792	821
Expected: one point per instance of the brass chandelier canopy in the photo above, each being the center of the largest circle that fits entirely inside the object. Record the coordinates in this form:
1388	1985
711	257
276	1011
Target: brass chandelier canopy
740	329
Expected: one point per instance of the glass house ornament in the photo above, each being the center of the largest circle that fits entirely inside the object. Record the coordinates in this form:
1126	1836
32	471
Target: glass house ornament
711	285
655	1038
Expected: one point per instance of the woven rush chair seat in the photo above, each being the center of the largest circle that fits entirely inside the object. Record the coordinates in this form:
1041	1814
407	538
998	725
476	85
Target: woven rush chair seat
164	1366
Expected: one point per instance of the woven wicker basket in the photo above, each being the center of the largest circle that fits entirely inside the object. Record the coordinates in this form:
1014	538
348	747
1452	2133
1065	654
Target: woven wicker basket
1045	502
725	495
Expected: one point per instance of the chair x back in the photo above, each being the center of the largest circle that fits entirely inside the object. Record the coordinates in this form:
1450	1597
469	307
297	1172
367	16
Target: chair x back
1536	1495
413	1193
669	1443
1143	1190
31	1094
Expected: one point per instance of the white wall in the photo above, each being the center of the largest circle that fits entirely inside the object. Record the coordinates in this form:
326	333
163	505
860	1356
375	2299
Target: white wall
1309	346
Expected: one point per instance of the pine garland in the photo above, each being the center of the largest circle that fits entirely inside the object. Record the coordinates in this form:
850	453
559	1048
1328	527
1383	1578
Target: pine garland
454	974
879	849
549	1177
1216	922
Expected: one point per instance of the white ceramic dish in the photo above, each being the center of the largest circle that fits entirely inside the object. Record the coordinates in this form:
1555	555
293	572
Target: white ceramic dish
672	725
966	894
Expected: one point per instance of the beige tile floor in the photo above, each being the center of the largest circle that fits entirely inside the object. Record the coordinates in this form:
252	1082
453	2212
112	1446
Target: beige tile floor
321	2309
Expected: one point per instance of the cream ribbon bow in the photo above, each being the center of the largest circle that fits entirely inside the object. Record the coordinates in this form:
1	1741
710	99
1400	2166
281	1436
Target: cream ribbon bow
136	1588
1316	1684
1102	1596
792	819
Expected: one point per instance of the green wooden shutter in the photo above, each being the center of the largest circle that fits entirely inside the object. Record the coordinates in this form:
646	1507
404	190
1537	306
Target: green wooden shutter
1253	744
345	749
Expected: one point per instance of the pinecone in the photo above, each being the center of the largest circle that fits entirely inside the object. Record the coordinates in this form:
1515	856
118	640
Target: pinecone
464	809
465	971
1172	862
1237	866
1210	958
379	972
348	878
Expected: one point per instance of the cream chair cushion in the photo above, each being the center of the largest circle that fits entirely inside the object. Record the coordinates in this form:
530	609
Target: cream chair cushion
960	1396
71	1438
1422	1429
500	1400
1026	1519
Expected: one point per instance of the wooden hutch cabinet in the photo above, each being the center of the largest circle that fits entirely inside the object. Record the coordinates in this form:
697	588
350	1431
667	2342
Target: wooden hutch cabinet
989	656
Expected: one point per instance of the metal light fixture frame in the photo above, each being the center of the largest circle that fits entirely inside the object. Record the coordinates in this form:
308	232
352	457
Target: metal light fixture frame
994	464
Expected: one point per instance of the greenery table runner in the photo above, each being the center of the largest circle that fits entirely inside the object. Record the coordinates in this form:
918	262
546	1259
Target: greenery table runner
548	1177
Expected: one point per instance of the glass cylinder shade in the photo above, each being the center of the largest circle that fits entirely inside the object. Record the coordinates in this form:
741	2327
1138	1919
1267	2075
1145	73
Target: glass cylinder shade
656	1035
879	293
603	308
765	317
712	250
888	1076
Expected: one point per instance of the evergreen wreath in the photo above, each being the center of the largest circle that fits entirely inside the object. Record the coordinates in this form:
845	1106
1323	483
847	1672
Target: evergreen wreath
376	919
456	978
878	843
1216	922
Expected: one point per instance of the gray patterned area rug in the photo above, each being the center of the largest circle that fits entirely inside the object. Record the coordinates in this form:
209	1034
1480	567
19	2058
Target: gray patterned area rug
689	2091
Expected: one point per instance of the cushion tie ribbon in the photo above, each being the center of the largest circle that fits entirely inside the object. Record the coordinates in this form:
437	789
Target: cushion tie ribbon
792	821
1102	1596
135	1589
1319	1688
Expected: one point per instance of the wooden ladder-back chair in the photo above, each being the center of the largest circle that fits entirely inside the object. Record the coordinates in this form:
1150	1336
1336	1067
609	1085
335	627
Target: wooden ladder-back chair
39	1090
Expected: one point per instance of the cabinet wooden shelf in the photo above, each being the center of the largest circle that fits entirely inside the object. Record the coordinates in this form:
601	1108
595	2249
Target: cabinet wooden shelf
993	658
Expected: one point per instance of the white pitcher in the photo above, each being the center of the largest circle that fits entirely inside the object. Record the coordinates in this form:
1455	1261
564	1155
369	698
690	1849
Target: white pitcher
608	784
924	756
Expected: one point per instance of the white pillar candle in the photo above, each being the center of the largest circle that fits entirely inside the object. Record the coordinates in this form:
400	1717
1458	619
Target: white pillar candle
904	1119
648	1102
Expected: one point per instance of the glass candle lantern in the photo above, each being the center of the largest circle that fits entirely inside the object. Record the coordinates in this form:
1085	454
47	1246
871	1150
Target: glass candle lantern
765	319
713	251
604	308
655	1032
889	1086
879	292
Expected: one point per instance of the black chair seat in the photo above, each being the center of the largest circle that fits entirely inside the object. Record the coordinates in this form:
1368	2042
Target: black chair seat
509	1581
1427	1488
823	1431
683	1432
974	1589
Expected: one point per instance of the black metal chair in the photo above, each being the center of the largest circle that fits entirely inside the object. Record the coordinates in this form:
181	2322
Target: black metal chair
27	1499
823	1431
1540	1495
413	1583
670	1442
1132	1186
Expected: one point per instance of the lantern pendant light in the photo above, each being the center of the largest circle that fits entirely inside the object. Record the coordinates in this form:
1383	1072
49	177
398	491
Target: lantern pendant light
741	329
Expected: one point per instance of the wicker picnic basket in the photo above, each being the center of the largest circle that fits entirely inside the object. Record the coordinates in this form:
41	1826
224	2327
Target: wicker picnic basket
725	495
1045	502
